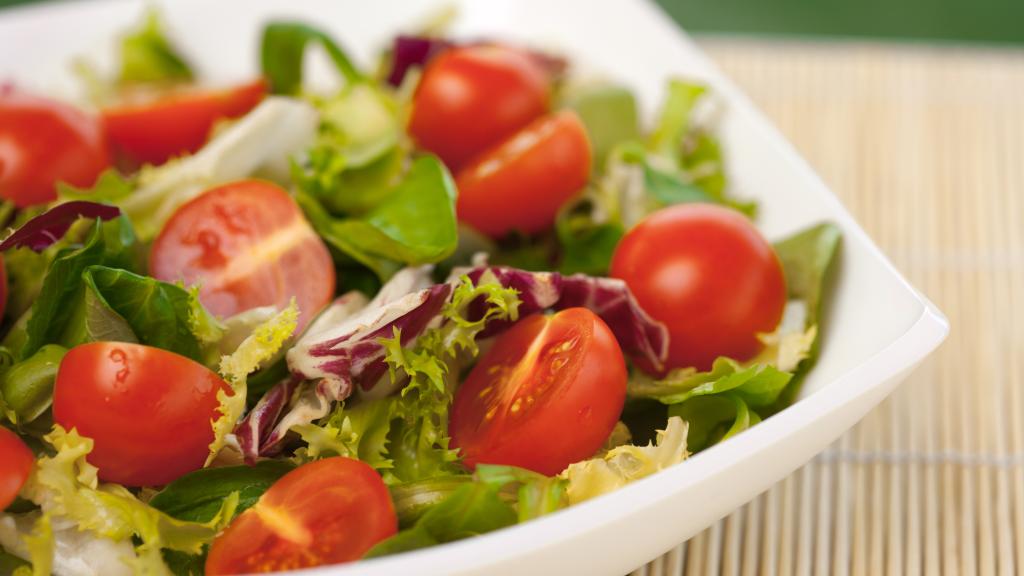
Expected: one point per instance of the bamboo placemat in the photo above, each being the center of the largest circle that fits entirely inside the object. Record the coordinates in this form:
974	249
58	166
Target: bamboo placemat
925	145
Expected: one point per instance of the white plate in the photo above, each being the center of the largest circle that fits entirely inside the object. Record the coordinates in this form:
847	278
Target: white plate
877	329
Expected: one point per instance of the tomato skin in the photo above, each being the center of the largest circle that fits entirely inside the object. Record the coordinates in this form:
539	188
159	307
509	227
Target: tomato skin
248	245
153	131
326	512
148	411
709	275
472	97
547	394
16	462
522	182
43	142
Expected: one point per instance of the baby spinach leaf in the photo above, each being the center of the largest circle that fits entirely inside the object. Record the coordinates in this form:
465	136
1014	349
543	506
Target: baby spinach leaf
197	496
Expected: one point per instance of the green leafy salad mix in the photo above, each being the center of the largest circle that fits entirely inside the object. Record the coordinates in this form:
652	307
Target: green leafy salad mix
270	325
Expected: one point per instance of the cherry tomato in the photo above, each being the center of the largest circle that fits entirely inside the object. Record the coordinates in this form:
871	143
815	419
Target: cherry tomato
709	275
325	512
43	142
147	410
152	131
15	465
547	394
247	244
523	182
473	97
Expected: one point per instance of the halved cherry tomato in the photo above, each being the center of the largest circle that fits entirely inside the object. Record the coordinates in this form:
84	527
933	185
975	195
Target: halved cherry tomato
248	245
326	512
15	465
547	394
147	410
523	182
473	97
153	131
709	275
43	142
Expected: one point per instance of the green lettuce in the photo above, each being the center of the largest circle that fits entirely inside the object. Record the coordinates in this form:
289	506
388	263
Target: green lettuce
26	388
66	485
609	114
624	464
263	344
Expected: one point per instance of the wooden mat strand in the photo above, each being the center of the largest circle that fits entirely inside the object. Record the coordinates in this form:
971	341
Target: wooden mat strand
926	148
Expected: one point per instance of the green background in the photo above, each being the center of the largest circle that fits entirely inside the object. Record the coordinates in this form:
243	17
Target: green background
985	21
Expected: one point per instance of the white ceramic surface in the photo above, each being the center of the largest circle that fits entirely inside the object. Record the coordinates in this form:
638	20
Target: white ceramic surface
878	327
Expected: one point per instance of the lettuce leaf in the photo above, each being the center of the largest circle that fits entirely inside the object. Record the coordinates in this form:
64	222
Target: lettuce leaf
282	51
26	388
263	344
674	122
759	384
624	464
40	546
260	143
413	499
66	485
609	113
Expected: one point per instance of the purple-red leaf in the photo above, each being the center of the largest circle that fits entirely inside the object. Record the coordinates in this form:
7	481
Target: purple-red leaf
44	230
413	51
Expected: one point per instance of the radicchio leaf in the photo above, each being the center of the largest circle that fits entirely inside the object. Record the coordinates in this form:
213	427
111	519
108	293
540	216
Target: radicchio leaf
641	337
44	230
413	51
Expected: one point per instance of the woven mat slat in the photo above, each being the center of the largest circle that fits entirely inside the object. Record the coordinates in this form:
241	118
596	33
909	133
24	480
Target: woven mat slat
925	145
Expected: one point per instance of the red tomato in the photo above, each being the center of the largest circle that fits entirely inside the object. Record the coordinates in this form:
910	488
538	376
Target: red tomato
523	182
709	275
326	512
547	394
473	97
43	142
247	244
147	410
153	131
15	465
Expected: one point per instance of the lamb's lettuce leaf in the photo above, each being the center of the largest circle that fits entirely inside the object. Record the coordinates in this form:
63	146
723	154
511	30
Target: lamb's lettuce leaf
26	388
110	244
283	49
414	224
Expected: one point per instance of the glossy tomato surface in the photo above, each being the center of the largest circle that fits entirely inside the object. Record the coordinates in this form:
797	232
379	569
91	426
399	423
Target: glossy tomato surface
709	275
151	131
523	182
43	142
246	244
473	97
547	394
15	465
149	411
326	512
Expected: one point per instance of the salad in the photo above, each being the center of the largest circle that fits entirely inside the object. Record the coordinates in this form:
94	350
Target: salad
265	326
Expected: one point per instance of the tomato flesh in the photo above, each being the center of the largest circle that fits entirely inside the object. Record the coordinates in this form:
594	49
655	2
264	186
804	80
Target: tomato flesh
148	411
43	142
523	182
472	97
326	512
709	275
16	462
153	131
247	245
547	394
